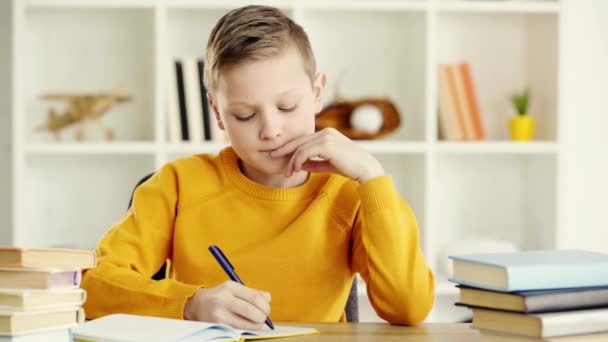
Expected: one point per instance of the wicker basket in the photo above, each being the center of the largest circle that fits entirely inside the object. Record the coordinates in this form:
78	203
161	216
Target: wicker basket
337	115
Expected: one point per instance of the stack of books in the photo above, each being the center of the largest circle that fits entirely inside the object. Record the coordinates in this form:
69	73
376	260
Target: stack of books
460	116
40	298
555	295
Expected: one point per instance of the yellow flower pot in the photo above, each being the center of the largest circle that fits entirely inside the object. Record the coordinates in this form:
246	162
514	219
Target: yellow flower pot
522	127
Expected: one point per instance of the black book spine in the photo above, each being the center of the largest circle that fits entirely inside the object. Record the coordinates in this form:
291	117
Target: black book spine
182	100
204	101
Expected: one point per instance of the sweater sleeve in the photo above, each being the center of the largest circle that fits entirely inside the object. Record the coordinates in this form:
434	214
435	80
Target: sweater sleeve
387	254
133	250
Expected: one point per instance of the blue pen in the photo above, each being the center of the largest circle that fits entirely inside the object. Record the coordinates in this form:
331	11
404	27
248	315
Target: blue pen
229	269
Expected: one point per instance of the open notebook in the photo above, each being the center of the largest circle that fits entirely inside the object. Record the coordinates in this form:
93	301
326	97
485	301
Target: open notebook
131	328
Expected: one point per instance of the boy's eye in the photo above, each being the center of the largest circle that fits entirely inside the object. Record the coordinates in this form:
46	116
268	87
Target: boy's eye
290	109
245	118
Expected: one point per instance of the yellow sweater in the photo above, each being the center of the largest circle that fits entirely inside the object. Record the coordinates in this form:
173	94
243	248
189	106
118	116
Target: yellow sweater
303	244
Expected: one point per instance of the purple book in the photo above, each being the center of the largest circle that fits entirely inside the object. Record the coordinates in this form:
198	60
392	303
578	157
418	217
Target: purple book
32	278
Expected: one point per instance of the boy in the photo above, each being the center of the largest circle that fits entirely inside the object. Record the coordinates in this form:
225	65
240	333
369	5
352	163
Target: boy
297	212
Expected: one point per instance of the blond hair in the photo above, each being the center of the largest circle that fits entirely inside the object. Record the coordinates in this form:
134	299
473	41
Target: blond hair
253	33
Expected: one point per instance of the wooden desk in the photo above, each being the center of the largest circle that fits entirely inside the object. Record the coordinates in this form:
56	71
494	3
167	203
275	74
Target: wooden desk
342	332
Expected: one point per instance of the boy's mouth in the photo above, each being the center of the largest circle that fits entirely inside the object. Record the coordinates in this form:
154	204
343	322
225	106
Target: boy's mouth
269	150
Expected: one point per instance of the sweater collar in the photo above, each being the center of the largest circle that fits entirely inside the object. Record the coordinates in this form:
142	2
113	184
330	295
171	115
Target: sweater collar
230	163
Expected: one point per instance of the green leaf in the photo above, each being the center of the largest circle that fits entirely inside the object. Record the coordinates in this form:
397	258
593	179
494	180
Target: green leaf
520	101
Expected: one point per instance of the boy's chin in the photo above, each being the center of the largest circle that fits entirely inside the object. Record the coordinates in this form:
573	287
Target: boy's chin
273	168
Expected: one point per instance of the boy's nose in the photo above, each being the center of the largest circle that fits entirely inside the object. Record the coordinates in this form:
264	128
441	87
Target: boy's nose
270	130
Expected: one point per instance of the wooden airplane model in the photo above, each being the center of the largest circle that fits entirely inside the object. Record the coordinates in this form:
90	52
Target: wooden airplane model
80	109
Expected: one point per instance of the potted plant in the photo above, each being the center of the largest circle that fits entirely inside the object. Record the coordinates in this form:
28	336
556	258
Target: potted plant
522	124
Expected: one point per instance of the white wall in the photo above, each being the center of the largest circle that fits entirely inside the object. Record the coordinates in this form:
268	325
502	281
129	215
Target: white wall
584	95
5	122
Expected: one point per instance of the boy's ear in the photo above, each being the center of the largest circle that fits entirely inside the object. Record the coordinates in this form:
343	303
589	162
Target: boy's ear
216	112
317	88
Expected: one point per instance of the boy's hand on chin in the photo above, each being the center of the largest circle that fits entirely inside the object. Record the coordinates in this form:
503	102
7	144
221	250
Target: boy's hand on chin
338	154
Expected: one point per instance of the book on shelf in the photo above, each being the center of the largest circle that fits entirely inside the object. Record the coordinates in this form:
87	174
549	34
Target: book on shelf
192	91
128	328
550	324
189	116
449	124
207	123
535	301
459	113
471	94
181	96
41	278
47	258
31	299
531	270
174	128
19	321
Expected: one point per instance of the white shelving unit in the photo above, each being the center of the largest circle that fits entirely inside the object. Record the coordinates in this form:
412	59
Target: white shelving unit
495	189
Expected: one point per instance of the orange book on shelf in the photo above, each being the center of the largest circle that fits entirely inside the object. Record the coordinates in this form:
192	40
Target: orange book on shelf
465	70
464	111
449	125
460	114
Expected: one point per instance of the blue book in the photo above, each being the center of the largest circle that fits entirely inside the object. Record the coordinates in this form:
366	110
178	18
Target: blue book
531	270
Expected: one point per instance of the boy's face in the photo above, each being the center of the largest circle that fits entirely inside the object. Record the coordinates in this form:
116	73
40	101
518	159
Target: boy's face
262	105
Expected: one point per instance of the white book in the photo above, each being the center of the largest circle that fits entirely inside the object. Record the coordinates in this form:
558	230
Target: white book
194	106
14	322
55	335
551	324
28	299
132	328
174	133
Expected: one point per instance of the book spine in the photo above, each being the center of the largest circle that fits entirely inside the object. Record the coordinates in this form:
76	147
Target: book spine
183	115
204	101
173	111
448	121
464	109
193	98
456	106
480	132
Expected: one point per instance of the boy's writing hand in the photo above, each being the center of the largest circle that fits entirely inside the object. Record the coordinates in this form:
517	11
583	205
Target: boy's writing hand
229	303
339	154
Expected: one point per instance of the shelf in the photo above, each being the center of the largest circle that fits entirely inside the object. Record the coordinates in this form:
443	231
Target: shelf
376	147
194	148
89	4
499	6
205	4
400	43
112	148
506	147
107	49
381	147
381	5
393	147
76	200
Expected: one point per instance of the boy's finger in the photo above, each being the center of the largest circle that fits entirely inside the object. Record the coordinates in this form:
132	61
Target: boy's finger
318	166
236	321
293	145
247	310
254	297
306	152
